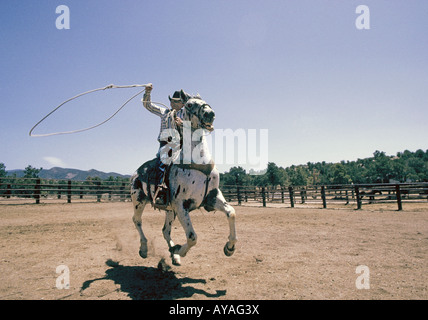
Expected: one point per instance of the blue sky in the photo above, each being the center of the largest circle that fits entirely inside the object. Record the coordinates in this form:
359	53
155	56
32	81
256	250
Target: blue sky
325	90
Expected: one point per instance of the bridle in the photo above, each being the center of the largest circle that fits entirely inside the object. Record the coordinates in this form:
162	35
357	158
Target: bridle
198	114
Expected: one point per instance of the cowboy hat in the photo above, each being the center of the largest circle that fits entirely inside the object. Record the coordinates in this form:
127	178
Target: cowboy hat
179	96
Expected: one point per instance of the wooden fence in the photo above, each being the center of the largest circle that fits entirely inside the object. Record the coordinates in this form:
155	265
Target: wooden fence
26	190
328	195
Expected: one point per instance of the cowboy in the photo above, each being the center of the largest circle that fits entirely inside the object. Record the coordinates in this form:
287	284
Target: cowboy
170	119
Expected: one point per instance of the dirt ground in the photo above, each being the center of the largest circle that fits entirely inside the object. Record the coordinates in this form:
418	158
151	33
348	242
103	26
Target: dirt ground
282	253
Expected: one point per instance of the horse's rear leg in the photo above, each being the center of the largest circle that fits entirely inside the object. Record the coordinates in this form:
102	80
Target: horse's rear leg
138	212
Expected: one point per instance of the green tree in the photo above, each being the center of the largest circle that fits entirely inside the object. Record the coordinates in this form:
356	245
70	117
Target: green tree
235	176
260	180
273	174
31	172
339	174
298	176
3	172
416	169
380	168
398	170
420	154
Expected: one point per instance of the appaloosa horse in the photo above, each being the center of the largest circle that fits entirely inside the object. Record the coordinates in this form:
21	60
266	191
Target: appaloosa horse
193	183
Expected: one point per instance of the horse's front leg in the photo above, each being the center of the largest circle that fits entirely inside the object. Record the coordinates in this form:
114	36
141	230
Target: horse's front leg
184	218
139	201
169	219
138	211
215	201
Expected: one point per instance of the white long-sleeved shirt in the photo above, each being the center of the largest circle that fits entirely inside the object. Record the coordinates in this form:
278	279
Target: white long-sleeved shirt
162	112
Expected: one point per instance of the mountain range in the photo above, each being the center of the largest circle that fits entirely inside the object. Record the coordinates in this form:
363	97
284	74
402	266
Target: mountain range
72	174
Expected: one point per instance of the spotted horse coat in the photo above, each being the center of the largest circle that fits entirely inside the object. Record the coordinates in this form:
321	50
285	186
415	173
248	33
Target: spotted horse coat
191	186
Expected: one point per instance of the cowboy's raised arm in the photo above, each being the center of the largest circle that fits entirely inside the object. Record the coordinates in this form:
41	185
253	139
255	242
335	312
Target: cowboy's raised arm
147	103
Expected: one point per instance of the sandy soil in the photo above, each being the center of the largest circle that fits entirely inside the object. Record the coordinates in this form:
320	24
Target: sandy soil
282	253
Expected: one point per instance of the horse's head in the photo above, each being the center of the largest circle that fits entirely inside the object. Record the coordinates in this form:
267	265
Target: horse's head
200	114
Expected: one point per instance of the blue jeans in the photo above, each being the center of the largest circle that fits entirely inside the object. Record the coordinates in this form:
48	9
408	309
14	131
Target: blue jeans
160	166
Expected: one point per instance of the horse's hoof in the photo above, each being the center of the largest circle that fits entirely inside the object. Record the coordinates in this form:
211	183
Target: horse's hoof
228	251
143	254
176	259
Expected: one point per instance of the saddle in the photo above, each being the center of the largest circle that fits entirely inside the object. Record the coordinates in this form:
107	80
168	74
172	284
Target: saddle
148	174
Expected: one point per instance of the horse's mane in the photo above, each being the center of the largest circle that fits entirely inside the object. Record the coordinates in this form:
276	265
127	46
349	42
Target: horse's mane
196	96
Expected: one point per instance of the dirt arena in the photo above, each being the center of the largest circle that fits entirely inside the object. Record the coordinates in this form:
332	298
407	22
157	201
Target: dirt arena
282	253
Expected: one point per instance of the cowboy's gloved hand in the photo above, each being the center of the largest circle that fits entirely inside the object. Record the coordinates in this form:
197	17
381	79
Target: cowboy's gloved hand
178	121
149	87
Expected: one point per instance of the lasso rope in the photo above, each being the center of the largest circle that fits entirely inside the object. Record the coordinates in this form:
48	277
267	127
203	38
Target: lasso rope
111	86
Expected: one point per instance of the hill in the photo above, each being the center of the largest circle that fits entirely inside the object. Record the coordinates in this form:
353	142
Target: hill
67	173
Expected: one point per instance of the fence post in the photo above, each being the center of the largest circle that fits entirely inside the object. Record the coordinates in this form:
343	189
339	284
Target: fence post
238	192
324	201
264	196
302	196
291	192
282	194
98	190
37	191
9	191
398	194
69	191
357	195
122	192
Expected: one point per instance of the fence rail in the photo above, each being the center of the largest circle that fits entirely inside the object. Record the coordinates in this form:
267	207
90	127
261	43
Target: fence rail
324	196
24	190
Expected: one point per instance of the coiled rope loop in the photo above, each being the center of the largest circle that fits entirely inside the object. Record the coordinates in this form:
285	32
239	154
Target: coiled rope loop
110	86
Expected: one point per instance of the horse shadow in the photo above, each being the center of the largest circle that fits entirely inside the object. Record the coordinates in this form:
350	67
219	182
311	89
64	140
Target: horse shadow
149	283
